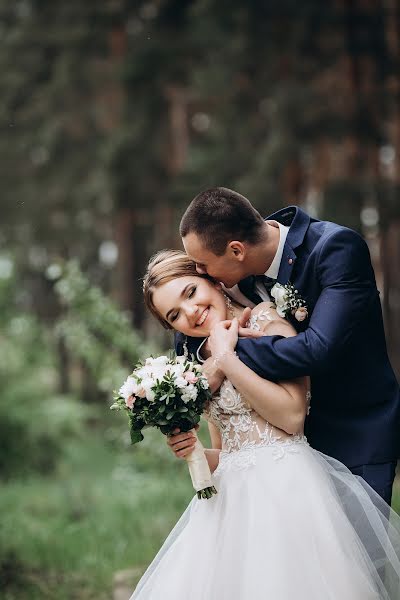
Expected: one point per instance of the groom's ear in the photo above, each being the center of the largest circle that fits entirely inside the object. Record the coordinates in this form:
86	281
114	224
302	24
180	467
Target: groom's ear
237	249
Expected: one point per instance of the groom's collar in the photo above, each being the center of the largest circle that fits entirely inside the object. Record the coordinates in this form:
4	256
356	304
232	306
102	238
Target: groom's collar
273	269
297	220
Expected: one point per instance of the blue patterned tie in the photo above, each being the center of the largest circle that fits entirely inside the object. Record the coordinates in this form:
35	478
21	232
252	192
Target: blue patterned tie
248	286
268	283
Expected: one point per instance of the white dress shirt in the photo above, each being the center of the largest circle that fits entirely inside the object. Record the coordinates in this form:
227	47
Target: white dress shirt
273	269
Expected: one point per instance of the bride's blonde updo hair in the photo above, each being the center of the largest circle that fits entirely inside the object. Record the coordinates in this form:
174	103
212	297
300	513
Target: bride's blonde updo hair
162	268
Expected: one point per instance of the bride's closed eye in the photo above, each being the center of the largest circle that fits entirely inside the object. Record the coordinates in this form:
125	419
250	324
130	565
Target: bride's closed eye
191	293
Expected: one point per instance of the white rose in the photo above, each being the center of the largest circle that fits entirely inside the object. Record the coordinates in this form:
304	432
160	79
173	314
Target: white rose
180	382
176	370
159	361
278	292
147	384
143	372
150	395
190	393
129	388
158	372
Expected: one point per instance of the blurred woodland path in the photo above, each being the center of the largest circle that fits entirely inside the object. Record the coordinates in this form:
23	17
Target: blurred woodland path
125	582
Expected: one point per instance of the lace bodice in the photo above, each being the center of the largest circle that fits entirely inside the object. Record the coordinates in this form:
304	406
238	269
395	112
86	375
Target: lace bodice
239	424
241	427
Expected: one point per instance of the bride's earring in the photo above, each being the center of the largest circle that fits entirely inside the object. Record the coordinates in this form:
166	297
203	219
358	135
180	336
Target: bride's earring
229	306
185	349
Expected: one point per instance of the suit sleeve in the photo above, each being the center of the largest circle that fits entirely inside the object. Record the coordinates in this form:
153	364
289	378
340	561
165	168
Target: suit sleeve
348	290
192	344
179	340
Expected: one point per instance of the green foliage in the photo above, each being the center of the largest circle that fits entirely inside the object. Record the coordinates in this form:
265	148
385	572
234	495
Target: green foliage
96	331
34	420
108	507
34	426
56	130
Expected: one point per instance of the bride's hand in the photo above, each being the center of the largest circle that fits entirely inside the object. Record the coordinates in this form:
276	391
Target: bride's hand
223	337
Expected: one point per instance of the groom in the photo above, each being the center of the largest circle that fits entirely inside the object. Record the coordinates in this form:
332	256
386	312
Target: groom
355	406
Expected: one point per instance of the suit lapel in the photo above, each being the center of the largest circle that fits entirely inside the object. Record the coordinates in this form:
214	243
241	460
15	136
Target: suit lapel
287	263
298	222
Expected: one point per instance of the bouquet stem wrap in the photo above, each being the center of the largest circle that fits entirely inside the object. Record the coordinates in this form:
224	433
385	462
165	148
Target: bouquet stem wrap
200	471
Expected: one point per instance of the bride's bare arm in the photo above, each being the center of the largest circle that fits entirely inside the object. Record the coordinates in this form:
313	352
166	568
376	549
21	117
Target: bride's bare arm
282	404
214	376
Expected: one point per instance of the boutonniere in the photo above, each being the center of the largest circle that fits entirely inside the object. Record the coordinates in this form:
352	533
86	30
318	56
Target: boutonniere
288	301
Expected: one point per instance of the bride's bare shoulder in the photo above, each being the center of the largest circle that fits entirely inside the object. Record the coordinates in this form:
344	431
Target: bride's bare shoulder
265	318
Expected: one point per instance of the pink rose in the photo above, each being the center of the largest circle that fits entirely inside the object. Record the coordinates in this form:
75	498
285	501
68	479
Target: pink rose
301	314
130	401
190	377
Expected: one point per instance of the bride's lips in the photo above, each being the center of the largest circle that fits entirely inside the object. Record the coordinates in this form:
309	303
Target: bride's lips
203	317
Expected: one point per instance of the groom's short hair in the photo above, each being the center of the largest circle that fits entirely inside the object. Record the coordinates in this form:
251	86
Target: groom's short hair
218	216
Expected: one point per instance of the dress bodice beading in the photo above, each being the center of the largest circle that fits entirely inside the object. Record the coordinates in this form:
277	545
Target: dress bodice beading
242	429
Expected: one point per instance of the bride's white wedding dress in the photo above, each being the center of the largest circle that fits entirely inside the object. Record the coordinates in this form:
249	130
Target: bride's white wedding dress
287	523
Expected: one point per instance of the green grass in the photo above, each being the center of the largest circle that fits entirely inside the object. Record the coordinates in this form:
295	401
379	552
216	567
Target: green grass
396	492
108	507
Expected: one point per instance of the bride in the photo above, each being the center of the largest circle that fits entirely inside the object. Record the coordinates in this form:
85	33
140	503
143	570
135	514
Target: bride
287	522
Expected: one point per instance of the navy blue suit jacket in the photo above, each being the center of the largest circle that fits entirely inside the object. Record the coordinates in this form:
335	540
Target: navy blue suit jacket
355	406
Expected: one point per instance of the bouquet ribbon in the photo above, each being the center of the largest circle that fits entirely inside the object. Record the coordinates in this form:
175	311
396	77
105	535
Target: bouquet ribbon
198	468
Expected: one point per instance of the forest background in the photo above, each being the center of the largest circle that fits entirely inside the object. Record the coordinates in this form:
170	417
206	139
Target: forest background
114	114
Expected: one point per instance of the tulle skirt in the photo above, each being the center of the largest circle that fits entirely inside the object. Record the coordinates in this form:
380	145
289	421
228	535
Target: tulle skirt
287	523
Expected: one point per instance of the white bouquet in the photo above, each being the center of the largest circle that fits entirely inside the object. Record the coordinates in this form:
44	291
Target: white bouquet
168	393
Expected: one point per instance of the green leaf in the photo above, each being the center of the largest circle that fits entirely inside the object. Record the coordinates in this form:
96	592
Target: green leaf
136	436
